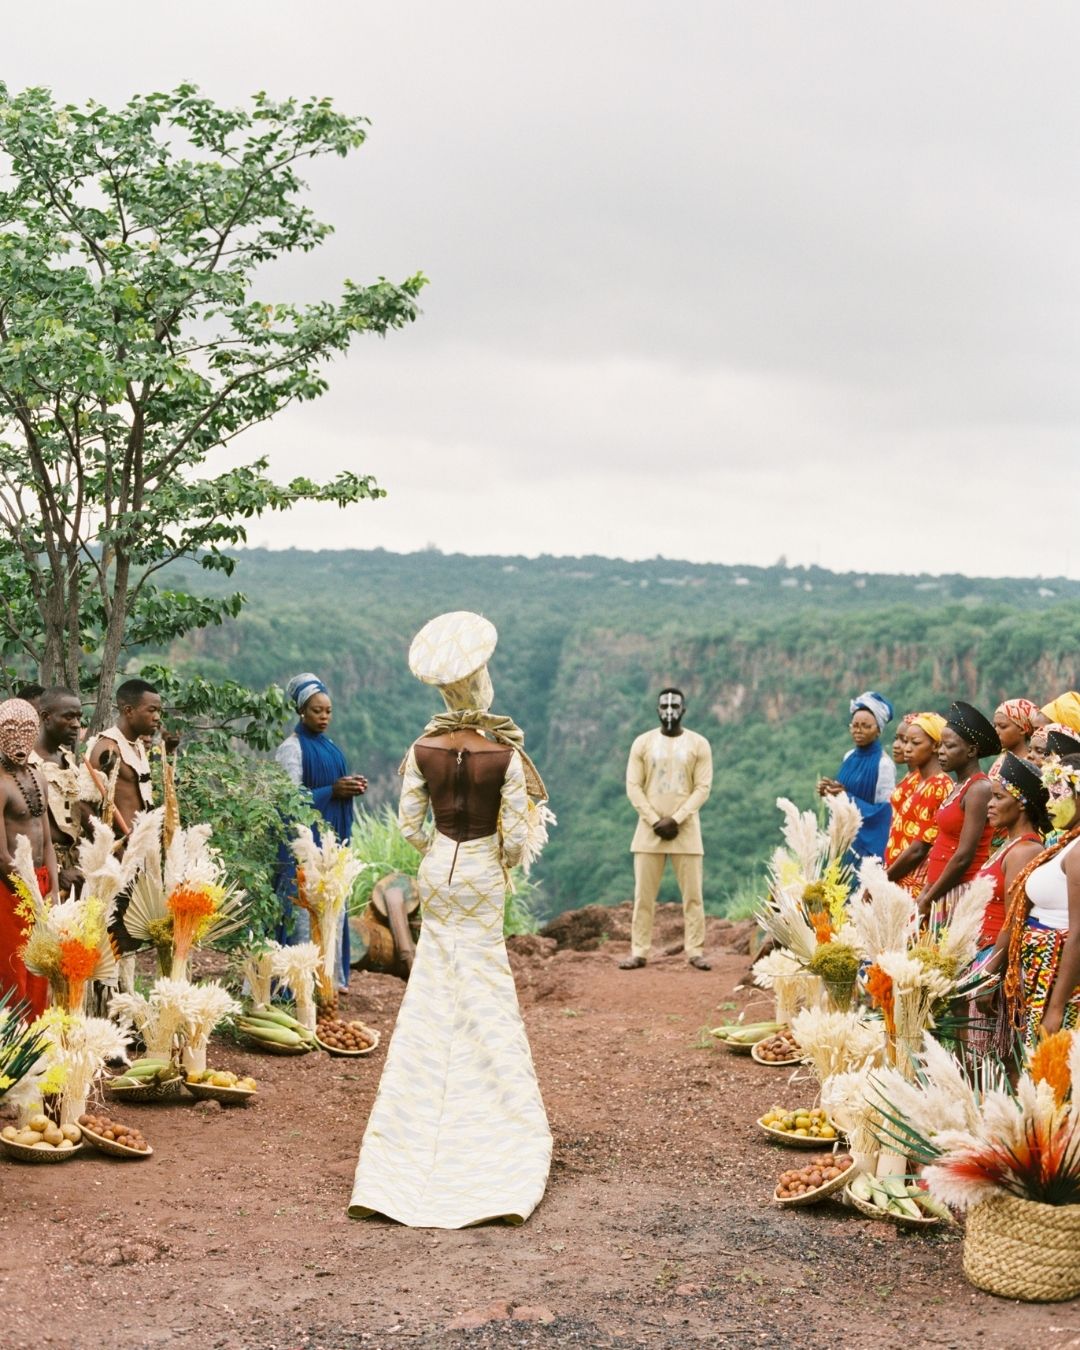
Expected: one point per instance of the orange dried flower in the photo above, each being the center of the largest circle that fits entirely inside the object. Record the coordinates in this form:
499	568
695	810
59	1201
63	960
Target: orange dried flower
1050	1063
191	904
879	986
823	929
77	961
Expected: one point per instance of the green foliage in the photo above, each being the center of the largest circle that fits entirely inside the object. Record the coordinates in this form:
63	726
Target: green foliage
584	645
382	848
132	344
254	807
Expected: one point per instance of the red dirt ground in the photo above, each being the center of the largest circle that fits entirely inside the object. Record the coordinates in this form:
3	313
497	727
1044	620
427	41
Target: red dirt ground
656	1230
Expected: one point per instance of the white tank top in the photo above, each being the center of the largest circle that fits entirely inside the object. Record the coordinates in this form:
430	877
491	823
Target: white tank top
1048	891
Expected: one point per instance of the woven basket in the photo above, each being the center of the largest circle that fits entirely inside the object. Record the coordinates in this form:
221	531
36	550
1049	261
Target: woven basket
148	1092
209	1092
1022	1249
352	1054
813	1197
774	1063
104	1145
28	1154
790	1140
903	1220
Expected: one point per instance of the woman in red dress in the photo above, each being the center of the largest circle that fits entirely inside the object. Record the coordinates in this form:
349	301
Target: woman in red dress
1017	811
963	841
915	802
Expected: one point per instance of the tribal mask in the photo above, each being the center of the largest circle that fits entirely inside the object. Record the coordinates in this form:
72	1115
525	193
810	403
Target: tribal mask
19	724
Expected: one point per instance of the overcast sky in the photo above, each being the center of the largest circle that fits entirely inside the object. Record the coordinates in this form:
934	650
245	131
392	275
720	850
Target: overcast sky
721	281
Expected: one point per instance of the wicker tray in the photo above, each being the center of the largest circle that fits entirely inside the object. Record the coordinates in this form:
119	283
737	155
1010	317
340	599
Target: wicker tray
774	1063
111	1146
27	1153
904	1220
148	1092
737	1047
270	1048
352	1054
820	1193
796	1140
210	1092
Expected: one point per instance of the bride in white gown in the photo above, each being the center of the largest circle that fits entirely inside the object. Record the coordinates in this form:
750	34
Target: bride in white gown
458	1133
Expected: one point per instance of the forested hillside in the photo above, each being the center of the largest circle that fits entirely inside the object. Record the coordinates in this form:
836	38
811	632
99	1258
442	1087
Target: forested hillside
768	658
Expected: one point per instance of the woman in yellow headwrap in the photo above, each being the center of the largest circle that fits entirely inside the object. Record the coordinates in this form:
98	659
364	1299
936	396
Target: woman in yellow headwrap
915	802
1064	709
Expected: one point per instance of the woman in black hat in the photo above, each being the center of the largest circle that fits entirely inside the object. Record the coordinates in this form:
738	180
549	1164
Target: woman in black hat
1017	811
963	841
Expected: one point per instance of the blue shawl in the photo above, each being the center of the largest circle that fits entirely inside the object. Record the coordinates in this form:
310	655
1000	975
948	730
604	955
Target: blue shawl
859	775
324	764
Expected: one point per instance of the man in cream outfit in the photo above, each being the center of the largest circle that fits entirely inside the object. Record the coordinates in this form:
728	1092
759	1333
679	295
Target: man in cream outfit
668	779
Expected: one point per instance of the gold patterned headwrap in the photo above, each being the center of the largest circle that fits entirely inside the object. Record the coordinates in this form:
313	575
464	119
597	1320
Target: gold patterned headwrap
19	726
930	722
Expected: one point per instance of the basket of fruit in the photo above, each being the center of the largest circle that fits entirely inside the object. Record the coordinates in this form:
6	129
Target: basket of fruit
777	1050
740	1037
275	1032
897	1199
147	1080
42	1141
220	1085
109	1136
338	1037
818	1179
799	1128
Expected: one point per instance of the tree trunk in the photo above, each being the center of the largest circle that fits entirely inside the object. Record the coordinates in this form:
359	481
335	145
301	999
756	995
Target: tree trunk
114	637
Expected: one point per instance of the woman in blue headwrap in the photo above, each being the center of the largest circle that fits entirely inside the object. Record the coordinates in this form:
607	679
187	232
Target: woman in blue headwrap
312	760
867	775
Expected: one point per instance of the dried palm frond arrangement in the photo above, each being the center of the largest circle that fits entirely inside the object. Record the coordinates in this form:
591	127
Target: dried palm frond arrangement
980	1138
179	900
68	941
73	1052
807	906
163	1019
325	874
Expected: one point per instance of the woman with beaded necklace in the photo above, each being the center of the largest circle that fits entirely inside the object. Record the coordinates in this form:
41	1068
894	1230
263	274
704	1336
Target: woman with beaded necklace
963	841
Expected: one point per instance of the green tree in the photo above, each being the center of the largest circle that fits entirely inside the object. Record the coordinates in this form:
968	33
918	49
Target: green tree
132	344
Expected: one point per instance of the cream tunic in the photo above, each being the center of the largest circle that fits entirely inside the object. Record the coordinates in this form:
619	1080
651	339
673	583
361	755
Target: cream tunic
669	776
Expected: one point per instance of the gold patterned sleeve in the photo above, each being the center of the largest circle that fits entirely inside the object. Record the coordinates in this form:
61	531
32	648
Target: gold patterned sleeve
413	806
514	812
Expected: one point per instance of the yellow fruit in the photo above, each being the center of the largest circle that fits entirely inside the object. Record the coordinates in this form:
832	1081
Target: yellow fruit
827	1132
39	1123
64	1144
71	1132
803	1133
10	1132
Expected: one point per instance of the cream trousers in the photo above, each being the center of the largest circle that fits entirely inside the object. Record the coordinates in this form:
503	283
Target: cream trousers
648	873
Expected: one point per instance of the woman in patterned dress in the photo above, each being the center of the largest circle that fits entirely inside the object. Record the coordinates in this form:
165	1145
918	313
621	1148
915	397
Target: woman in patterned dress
915	802
458	1133
1042	932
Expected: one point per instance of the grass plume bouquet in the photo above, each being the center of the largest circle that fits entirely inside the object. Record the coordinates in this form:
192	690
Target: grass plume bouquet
325	874
836	1042
74	1051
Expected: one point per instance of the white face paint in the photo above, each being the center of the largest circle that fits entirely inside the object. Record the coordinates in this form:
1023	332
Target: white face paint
670	708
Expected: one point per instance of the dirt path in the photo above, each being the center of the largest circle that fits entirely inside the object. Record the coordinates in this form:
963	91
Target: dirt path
656	1229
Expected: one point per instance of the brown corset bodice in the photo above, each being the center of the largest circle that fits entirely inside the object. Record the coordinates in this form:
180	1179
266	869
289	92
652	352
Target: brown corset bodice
465	788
